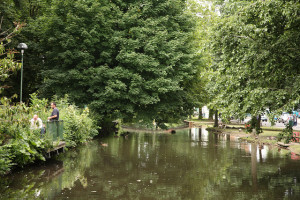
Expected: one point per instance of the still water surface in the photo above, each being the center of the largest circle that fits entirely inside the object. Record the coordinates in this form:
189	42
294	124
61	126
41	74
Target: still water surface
191	164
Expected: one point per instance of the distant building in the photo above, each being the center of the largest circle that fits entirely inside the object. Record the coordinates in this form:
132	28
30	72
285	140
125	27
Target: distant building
205	112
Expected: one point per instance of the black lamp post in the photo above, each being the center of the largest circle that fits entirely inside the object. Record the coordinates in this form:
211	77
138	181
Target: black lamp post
22	46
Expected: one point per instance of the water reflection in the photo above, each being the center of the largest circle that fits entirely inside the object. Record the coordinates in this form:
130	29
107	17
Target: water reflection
191	164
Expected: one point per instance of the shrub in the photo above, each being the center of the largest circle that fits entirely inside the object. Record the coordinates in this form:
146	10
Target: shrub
5	161
253	124
20	146
78	127
287	134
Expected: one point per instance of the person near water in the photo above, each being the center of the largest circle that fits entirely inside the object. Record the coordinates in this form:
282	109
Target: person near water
295	120
55	113
36	122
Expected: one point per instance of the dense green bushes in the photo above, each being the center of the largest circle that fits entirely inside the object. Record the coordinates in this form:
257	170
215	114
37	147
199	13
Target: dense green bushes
78	126
20	146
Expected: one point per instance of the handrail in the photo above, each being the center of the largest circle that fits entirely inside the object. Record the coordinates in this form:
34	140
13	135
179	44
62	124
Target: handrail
54	130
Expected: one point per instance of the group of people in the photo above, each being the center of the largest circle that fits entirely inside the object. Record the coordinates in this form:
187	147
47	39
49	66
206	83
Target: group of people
37	123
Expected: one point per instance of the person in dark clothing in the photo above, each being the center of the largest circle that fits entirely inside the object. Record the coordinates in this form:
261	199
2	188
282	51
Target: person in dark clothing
55	112
295	120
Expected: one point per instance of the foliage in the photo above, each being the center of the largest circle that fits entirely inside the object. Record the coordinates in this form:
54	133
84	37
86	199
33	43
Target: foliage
28	148
287	134
254	123
256	57
38	106
7	63
20	146
7	59
16	17
204	18
127	59
248	127
78	127
5	161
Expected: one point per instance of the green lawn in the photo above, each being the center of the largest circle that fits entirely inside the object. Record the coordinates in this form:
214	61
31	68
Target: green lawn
268	133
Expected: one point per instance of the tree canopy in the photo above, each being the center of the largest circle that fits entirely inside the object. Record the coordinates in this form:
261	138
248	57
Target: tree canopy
124	59
256	57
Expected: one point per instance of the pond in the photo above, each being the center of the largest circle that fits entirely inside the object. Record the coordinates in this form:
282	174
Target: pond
191	164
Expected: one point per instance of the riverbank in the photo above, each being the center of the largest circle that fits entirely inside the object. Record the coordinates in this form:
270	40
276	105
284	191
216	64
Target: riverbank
267	137
20	145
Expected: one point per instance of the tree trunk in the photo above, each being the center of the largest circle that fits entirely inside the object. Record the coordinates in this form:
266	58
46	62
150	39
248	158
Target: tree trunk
258	122
216	124
253	118
200	114
256	128
211	113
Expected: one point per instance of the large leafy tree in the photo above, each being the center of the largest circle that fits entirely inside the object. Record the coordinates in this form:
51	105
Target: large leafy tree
13	15
8	62
256	51
125	59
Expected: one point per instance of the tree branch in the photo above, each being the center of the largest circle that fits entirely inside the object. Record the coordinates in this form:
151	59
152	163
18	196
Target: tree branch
1	22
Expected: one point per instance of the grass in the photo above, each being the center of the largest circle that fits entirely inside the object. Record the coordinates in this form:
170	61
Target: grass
295	149
201	120
284	152
269	133
272	128
260	140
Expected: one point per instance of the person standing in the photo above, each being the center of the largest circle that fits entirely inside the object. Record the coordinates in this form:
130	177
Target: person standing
295	120
55	112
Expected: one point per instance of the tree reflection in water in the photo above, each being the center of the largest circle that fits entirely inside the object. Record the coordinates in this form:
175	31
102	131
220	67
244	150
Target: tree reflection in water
191	164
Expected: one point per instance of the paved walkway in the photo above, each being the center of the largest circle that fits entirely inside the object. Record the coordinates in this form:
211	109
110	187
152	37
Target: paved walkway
277	125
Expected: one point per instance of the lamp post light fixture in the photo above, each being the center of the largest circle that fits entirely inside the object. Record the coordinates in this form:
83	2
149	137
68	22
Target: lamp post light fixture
22	46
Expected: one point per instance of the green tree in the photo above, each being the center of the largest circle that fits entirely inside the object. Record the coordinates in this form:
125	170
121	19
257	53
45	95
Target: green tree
256	51
8	63
204	17
23	13
128	60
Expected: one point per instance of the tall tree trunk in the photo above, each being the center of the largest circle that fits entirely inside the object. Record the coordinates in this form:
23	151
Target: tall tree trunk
211	113
200	114
256	128
216	124
258	122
